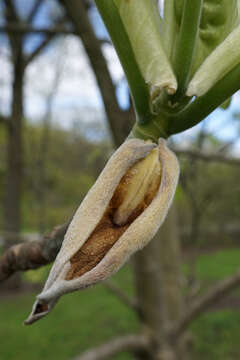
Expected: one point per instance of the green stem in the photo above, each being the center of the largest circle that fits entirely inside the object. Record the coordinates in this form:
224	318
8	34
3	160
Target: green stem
170	26
120	39
153	130
143	25
186	44
205	104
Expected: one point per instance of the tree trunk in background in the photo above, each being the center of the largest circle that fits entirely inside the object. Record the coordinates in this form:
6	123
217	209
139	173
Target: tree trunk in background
159	288
13	188
14	129
149	295
12	211
170	266
171	277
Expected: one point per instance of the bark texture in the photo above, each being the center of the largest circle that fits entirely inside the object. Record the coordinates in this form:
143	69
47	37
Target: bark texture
131	343
159	288
12	213
32	254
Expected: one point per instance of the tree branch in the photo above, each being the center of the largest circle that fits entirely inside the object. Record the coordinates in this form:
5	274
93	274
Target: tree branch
132	343
56	30
77	13
11	10
39	49
132	303
15	41
202	303
32	255
34	10
207	157
60	22
25	28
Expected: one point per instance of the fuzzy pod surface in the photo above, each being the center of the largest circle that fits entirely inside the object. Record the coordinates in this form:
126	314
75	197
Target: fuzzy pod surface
95	247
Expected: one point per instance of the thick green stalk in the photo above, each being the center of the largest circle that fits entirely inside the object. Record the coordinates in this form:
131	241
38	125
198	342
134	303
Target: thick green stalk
154	130
166	123
205	104
143	25
138	87
186	44
169	27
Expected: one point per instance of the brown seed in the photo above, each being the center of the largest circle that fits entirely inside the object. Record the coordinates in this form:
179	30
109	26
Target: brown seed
107	232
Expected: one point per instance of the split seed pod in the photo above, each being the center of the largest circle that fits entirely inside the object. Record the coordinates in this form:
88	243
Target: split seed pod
120	215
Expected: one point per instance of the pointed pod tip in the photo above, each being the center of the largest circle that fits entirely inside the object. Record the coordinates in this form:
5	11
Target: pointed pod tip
39	310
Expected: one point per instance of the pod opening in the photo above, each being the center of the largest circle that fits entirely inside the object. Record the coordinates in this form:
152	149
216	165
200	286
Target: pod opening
107	232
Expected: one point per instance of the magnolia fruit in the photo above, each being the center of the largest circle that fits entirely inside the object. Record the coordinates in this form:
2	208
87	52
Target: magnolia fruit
120	215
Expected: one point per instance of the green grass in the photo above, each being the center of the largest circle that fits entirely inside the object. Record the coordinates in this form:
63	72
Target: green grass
216	336
91	317
216	266
79	321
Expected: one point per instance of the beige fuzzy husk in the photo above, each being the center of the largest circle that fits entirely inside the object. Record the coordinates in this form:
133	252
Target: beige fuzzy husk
90	212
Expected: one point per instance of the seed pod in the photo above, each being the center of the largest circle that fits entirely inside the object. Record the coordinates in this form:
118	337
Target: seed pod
108	228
